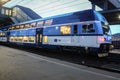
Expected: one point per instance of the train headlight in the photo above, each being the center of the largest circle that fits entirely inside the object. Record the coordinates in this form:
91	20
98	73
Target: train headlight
101	39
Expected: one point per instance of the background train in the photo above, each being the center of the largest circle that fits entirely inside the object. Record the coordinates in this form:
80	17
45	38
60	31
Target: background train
83	31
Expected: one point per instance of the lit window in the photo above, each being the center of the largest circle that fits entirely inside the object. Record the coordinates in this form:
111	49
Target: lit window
14	12
21	26
31	39
27	25
37	38
40	37
10	28
45	39
32	24
11	39
0	34
25	38
13	28
3	34
7	12
20	39
17	27
15	38
65	29
10	12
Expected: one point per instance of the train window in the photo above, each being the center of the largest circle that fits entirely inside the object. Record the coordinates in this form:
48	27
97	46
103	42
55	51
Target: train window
3	34
11	39
10	28
48	22
31	38
40	23
17	27
13	28
33	24
88	28
75	29
27	25
15	38
65	29
106	29
25	38
40	37
37	38
21	26
20	39
45	39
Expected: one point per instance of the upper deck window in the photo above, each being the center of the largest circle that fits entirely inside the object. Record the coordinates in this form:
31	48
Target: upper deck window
33	24
21	26
48	22
40	23
17	27
12	28
88	28
27	25
65	29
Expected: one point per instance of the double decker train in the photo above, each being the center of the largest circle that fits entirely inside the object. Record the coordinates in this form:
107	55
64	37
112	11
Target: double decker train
84	31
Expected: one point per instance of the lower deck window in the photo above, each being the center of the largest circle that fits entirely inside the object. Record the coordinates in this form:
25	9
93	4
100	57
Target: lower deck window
25	38
11	39
45	39
20	39
31	39
15	38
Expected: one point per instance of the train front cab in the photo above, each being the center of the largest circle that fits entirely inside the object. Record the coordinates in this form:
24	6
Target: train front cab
105	40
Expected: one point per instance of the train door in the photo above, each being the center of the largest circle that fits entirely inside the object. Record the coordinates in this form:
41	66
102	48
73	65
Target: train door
39	36
75	38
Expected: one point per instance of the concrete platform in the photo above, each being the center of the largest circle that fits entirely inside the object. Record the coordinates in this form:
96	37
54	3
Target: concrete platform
21	65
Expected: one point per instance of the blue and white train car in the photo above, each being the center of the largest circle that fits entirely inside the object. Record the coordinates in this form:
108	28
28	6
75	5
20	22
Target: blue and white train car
82	31
3	36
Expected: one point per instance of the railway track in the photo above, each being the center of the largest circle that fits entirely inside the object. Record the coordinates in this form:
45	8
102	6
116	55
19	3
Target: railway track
110	63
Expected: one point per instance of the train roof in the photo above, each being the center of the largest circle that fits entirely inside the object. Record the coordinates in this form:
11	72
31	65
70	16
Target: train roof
80	16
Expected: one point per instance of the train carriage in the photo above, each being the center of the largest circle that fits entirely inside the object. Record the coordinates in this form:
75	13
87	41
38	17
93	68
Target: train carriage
81	31
3	36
